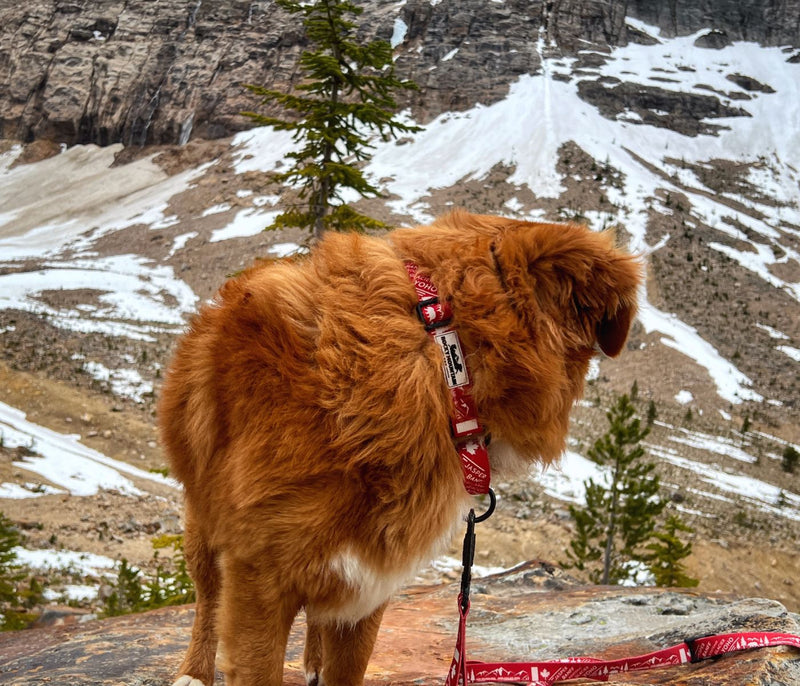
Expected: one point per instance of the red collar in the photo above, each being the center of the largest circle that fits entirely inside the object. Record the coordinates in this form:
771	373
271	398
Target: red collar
468	434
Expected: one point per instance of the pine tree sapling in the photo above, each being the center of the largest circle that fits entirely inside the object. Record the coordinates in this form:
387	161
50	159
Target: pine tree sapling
652	413
746	424
620	516
12	615
666	553
790	459
170	585
127	596
9	539
178	588
345	98
591	523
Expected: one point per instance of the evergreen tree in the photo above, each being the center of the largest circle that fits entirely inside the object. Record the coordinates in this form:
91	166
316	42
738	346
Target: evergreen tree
746	423
666	554
652	413
127	596
790	459
9	539
591	522
171	584
620	516
346	97
11	615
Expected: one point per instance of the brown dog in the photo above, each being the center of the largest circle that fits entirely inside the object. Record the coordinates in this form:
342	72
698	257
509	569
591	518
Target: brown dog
307	415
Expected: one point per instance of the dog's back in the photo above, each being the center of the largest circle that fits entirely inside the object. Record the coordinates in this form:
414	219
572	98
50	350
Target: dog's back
240	349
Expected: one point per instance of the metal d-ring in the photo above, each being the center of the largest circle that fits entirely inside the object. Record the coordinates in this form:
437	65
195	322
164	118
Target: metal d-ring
490	511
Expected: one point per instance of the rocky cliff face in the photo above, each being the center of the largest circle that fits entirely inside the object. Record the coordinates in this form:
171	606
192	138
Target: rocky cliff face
132	71
161	71
769	22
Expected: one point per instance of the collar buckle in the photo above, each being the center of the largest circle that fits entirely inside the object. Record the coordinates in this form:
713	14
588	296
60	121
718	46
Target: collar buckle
433	313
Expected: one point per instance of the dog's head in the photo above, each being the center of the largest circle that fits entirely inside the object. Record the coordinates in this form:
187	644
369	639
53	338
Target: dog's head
565	275
534	302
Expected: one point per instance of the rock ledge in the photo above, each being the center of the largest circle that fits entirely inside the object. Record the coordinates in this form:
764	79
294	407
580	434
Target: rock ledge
529	613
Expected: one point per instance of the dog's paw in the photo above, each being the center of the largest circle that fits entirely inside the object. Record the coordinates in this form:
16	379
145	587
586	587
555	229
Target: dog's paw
314	678
187	680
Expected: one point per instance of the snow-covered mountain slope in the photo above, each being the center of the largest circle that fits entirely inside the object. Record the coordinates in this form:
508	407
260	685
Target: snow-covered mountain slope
693	153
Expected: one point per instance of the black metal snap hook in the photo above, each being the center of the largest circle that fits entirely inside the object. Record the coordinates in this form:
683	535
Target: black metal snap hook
489	512
468	551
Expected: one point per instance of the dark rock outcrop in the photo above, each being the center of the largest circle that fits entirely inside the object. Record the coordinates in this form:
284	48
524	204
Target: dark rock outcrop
713	40
530	613
769	22
684	112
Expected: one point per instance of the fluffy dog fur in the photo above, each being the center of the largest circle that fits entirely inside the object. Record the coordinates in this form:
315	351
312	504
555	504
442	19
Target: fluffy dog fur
307	416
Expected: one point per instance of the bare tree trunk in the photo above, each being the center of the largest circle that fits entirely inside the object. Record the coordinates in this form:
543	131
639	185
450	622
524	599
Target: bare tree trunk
609	549
319	208
612	527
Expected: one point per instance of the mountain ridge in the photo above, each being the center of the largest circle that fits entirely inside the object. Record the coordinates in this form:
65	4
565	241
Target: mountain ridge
141	72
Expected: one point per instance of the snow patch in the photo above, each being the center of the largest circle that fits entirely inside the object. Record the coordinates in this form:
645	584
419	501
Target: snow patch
128	289
249	222
127	383
82	183
62	460
718	445
261	149
180	242
794	353
565	481
398	32
216	209
763	496
284	249
773	333
732	385
85	564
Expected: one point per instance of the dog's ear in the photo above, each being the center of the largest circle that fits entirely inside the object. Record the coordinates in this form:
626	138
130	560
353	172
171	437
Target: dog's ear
617	280
612	331
560	268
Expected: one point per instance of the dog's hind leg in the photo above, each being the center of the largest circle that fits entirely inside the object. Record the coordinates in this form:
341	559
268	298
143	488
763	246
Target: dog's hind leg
198	665
256	615
312	655
346	649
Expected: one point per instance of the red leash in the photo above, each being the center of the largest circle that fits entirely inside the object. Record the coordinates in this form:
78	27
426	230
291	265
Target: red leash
549	672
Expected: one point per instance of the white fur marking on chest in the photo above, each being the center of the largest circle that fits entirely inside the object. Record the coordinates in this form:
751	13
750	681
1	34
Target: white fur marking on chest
371	588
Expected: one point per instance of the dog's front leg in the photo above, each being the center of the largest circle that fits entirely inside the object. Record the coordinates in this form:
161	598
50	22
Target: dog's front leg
198	665
256	615
346	649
